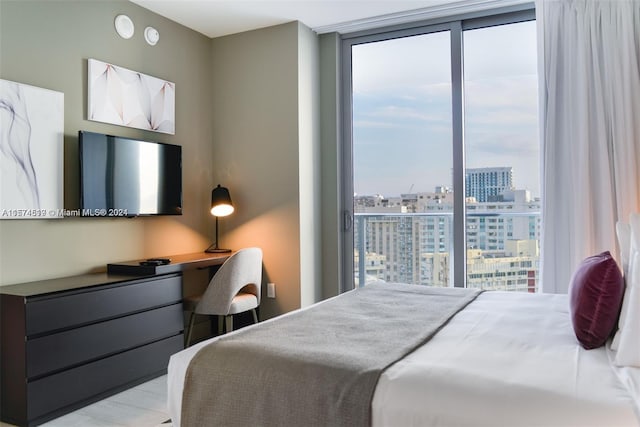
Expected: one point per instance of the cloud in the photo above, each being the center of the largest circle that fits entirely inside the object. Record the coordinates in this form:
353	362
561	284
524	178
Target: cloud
372	124
410	114
500	51
402	109
513	91
426	106
388	64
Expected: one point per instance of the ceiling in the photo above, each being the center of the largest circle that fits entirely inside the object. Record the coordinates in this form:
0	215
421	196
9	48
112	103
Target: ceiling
215	18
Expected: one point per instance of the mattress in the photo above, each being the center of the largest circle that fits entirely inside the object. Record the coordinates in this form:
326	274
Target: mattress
506	359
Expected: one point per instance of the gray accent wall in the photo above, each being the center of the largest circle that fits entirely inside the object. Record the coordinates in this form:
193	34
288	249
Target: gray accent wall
266	135
47	44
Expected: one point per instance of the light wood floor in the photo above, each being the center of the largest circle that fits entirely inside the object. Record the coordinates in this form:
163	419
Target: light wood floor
141	406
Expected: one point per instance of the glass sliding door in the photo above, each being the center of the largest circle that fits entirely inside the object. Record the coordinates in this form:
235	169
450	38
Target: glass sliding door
441	159
502	179
401	100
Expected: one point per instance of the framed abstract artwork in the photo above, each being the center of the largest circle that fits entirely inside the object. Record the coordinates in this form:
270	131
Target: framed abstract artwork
123	97
31	152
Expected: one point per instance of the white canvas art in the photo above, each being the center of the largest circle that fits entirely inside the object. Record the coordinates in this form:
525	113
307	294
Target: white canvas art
128	98
31	152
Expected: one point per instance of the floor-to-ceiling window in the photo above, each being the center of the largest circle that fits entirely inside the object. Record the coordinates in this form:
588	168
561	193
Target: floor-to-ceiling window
502	180
402	141
441	154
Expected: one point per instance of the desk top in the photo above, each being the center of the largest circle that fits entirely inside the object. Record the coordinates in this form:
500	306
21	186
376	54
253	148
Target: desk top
119	272
178	264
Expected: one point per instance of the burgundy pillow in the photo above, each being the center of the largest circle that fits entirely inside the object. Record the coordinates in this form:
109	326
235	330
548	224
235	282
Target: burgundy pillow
595	297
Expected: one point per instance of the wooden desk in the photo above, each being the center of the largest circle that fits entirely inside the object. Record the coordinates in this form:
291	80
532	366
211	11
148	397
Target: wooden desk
178	264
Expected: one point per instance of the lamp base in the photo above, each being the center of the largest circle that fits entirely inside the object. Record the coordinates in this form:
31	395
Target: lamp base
214	249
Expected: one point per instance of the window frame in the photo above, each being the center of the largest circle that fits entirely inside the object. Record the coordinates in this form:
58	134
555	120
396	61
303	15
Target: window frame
456	25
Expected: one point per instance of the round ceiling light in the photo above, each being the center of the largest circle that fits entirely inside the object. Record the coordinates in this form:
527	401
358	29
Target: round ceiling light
151	35
124	26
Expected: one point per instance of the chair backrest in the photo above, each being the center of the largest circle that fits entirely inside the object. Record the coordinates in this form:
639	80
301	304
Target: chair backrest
241	271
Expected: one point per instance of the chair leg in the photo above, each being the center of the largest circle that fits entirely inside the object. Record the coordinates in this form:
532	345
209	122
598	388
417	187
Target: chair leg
191	320
255	315
229	322
220	324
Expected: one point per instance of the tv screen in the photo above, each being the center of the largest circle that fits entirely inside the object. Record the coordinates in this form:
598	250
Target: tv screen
128	177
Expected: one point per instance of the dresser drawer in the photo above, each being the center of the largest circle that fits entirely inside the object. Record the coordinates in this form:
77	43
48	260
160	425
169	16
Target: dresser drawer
100	303
76	387
65	349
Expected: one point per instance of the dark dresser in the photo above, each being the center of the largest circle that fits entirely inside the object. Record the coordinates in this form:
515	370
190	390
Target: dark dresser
71	341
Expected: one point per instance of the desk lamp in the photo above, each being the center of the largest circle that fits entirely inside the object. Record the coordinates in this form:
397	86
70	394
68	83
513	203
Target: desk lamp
220	206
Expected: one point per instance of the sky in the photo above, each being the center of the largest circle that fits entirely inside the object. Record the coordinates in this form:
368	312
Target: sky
402	109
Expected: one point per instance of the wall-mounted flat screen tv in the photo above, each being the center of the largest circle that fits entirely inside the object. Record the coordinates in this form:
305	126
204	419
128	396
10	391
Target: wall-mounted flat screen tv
128	177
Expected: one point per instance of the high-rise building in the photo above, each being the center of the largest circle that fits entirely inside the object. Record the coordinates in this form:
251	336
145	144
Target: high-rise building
488	184
414	235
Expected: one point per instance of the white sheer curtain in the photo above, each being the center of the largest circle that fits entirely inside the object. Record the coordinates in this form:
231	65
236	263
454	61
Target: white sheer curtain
590	128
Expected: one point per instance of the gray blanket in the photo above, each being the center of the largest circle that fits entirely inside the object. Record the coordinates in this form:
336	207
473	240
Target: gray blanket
315	367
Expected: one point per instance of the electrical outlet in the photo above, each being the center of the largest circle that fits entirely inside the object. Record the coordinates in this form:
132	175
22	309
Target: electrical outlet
271	290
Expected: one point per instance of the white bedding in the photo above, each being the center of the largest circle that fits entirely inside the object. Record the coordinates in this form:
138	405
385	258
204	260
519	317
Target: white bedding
507	359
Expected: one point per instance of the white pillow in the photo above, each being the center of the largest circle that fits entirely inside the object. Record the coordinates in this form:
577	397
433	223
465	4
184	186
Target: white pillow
634	240
626	341
623	231
628	353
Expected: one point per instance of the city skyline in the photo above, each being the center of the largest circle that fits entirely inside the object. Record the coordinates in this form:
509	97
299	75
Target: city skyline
502	243
470	190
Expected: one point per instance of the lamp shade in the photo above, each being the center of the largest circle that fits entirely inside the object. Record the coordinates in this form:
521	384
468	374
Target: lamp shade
221	204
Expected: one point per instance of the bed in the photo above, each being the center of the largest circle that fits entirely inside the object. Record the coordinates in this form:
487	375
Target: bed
502	359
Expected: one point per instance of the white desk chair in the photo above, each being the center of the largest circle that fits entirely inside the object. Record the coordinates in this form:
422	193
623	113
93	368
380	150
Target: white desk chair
235	288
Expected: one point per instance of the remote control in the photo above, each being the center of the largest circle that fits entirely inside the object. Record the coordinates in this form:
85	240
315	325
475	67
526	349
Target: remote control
162	261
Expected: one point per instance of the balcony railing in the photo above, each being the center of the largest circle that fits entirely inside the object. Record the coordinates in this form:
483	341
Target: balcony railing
502	249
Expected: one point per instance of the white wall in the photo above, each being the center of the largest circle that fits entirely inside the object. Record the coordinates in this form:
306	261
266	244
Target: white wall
329	53
309	166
